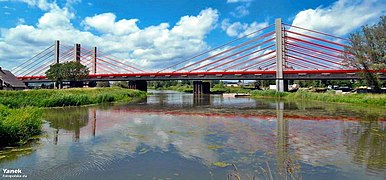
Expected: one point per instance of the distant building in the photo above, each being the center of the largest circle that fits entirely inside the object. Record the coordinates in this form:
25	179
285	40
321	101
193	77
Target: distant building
8	81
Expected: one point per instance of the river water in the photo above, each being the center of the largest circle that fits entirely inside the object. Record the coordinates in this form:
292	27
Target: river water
173	135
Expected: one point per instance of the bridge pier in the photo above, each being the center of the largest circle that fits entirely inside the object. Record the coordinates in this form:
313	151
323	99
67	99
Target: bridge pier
200	87
138	84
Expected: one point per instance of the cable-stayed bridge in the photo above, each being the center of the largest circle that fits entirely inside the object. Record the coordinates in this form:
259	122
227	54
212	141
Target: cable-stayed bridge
278	52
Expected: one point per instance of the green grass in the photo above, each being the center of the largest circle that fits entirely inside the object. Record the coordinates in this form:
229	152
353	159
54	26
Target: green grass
229	90
66	97
373	99
17	126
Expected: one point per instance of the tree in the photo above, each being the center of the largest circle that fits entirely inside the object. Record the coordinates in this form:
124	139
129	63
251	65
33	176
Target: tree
55	74
70	71
367	51
75	71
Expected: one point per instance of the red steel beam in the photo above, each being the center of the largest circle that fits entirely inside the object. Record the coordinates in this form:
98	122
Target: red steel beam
331	71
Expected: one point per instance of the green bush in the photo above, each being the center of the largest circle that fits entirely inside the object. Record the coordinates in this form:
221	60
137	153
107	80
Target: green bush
19	125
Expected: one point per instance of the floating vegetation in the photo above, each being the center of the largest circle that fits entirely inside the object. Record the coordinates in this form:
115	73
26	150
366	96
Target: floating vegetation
291	170
214	147
221	164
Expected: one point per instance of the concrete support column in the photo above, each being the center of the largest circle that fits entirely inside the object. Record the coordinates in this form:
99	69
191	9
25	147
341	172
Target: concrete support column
139	85
279	56
77	53
94	61
200	87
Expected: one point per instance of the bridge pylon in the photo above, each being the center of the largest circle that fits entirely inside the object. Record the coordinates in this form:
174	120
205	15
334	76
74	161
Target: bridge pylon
57	51
281	84
77	53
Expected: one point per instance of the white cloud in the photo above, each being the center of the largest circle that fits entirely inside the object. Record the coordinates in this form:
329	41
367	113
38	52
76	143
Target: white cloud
237	1
153	46
238	29
342	17
241	11
56	18
196	26
105	23
44	4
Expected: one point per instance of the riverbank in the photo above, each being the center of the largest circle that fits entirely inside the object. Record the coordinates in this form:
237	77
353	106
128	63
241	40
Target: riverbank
372	99
66	97
17	126
21	114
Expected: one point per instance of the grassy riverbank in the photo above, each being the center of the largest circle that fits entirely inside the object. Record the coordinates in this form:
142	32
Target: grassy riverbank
21	116
66	97
18	125
373	99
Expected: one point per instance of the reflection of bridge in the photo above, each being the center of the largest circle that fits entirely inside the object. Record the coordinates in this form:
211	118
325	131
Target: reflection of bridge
282	53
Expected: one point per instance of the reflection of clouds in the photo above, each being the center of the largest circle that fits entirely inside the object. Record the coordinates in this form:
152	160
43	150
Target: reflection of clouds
318	142
227	132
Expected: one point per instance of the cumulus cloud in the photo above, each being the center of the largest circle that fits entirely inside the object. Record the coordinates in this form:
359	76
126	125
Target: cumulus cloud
342	17
106	23
152	46
238	29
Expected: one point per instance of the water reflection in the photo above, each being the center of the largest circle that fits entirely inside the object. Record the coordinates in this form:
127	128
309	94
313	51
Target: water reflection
147	139
73	121
367	141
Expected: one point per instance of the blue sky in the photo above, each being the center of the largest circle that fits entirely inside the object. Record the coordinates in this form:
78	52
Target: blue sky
150	32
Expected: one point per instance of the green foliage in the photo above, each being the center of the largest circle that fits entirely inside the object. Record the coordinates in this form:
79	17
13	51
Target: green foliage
55	73
75	71
19	125
269	93
70	71
103	84
374	99
367	51
121	84
218	89
66	97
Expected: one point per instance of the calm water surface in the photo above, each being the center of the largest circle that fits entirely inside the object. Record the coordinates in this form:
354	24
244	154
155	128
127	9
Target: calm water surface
172	135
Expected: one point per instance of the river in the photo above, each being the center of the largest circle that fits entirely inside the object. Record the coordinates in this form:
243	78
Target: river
172	135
